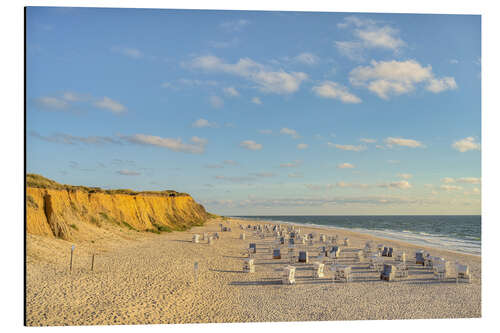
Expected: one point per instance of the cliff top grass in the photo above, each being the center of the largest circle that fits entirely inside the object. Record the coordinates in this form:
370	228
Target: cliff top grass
38	181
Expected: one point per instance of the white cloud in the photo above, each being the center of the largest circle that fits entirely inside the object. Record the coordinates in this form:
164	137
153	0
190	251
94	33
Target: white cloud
469	180
69	139
110	105
302	146
288	131
469	143
295	175
365	140
51	103
291	164
231	91
200	123
405	175
256	100
390	142
267	80
387	78
333	90
454	61
368	34
251	145
129	52
448	180
345	166
347	147
439	85
402	184
196	147
265	131
235	25
262	174
307	58
216	102
450	188
126	172
230	162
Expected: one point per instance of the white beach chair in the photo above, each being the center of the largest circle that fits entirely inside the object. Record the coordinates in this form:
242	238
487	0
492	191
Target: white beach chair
242	236
322	238
318	271
196	238
401	257
401	270
463	273
376	262
360	256
288	275
276	254
210	240
388	273
248	266
441	269
341	273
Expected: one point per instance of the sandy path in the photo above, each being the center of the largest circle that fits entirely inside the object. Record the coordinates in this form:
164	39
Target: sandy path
151	280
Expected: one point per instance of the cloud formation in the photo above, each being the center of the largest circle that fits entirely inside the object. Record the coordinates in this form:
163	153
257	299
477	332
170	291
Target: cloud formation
393	78
368	34
256	100
251	145
291	132
291	164
126	172
469	143
345	166
200	123
347	147
231	91
391	142
267	80
302	146
333	90
197	145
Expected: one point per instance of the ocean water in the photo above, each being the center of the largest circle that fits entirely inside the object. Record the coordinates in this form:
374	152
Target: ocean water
460	233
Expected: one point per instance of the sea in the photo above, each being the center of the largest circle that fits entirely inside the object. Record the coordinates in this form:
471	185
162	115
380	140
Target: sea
459	233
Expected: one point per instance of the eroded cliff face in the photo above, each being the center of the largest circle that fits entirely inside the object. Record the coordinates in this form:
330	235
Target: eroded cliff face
66	213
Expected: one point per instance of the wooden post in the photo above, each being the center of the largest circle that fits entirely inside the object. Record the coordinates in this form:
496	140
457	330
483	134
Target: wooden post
92	268
71	259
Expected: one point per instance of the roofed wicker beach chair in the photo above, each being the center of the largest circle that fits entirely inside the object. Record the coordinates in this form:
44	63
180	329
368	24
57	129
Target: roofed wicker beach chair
360	256
419	258
388	273
441	269
335	252
322	238
380	248
376	262
401	270
401	257
288	275
291	241
210	240
252	247
463	273
303	257
248	266
276	254
318	271
196	238
390	251
216	235
282	240
385	251
346	242
341	273
242	236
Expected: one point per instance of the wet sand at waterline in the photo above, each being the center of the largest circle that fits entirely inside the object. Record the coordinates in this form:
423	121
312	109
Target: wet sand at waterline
142	278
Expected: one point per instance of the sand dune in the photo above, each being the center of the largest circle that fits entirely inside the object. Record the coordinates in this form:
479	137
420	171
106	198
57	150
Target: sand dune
149	279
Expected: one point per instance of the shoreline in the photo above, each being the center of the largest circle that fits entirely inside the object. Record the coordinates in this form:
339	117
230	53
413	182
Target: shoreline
361	232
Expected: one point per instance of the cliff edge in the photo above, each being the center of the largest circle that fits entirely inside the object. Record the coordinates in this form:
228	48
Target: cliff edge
70	212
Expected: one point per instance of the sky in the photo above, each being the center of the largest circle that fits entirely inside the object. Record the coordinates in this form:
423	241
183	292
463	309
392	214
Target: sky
260	113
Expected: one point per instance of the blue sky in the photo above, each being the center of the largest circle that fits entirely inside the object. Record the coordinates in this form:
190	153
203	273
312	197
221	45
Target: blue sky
260	112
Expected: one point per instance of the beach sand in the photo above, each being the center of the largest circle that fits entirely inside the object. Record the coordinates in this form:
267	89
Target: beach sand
142	278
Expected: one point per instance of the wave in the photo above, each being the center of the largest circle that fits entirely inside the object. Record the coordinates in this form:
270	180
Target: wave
468	245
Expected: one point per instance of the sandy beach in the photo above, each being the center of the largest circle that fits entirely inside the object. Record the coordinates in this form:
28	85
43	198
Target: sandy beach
145	278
